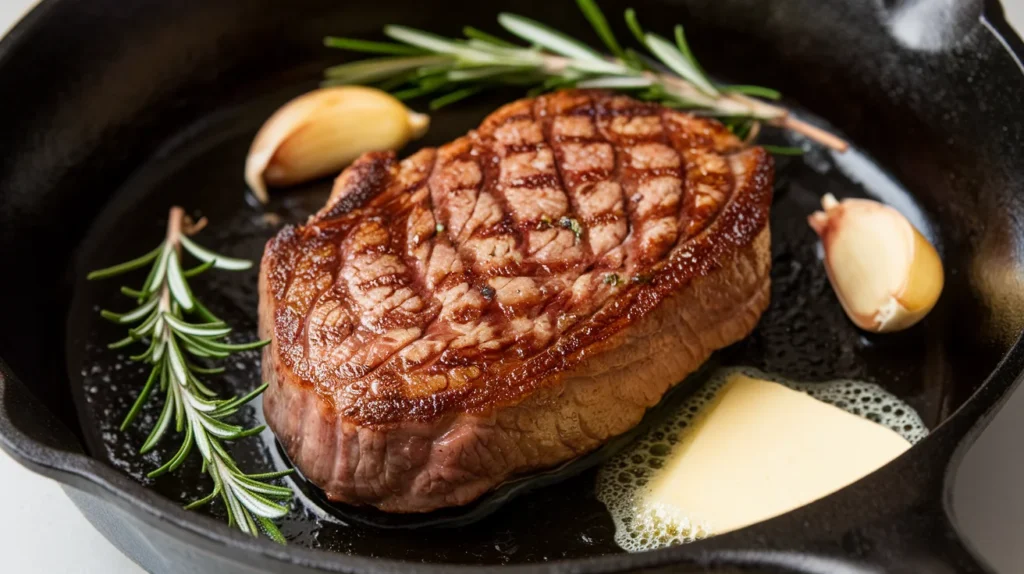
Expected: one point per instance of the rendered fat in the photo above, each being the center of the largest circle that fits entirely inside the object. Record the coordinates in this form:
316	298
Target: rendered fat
746	449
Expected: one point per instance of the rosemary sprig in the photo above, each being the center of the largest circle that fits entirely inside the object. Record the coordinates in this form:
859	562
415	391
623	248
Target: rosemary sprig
173	341
418	63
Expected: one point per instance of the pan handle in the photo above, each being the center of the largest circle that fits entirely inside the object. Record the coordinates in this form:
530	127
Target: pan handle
920	540
923	539
897	520
934	547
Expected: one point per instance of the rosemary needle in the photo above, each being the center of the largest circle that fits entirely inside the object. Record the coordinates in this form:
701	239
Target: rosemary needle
189	405
783	150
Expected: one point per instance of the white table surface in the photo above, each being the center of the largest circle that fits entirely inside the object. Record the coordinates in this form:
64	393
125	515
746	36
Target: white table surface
41	514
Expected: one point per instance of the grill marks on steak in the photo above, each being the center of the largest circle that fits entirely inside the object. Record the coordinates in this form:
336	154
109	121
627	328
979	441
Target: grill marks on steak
418	276
474	277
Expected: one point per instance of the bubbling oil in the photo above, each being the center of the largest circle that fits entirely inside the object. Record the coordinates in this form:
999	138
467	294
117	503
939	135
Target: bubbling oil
623	481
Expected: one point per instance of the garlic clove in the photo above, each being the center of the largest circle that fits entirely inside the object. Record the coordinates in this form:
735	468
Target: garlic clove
886	275
320	132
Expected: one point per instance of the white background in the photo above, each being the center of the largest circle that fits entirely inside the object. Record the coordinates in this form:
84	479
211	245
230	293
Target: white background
41	531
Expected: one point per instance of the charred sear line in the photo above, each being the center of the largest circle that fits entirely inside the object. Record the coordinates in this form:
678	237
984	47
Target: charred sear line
568	139
581	177
369	177
443	213
510	270
492	177
504	227
566	183
391	280
619	175
518	148
400	320
453	279
587	111
600	219
537	181
372	249
628	141
413	187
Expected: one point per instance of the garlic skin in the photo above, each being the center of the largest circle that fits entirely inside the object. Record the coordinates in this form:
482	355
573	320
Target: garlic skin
886	275
320	132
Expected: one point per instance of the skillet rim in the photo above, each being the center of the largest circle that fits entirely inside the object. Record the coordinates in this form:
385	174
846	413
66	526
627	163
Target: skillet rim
82	472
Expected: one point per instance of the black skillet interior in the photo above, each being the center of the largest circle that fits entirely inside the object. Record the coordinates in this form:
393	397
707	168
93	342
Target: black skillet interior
149	104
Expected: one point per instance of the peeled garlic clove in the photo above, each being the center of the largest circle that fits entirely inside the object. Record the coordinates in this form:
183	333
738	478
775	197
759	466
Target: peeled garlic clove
886	274
319	133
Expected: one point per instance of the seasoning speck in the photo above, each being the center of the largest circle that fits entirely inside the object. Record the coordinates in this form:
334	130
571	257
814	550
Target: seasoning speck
572	225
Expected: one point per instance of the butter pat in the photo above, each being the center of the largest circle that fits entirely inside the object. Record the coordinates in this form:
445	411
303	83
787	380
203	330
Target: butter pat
758	450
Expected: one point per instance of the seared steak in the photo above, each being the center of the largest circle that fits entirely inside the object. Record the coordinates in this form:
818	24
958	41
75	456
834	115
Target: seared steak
510	300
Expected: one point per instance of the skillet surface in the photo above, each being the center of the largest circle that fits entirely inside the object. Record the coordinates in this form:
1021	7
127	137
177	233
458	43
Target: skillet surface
803	336
955	160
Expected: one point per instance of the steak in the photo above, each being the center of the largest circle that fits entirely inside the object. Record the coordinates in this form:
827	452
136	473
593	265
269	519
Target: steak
510	300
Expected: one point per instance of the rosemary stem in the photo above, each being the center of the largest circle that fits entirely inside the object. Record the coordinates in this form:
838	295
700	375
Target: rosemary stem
686	91
555	65
175	221
780	117
811	132
165	300
757	108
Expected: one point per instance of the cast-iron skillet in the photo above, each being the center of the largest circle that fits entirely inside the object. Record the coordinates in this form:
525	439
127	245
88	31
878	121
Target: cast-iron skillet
114	110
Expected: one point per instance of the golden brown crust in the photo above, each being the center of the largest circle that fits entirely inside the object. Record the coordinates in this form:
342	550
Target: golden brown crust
453	281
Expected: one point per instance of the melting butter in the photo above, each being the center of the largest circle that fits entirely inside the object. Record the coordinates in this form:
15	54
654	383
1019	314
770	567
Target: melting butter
748	447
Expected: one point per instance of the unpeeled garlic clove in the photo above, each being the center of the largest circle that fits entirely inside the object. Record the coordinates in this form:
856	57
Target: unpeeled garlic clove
319	133
886	274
